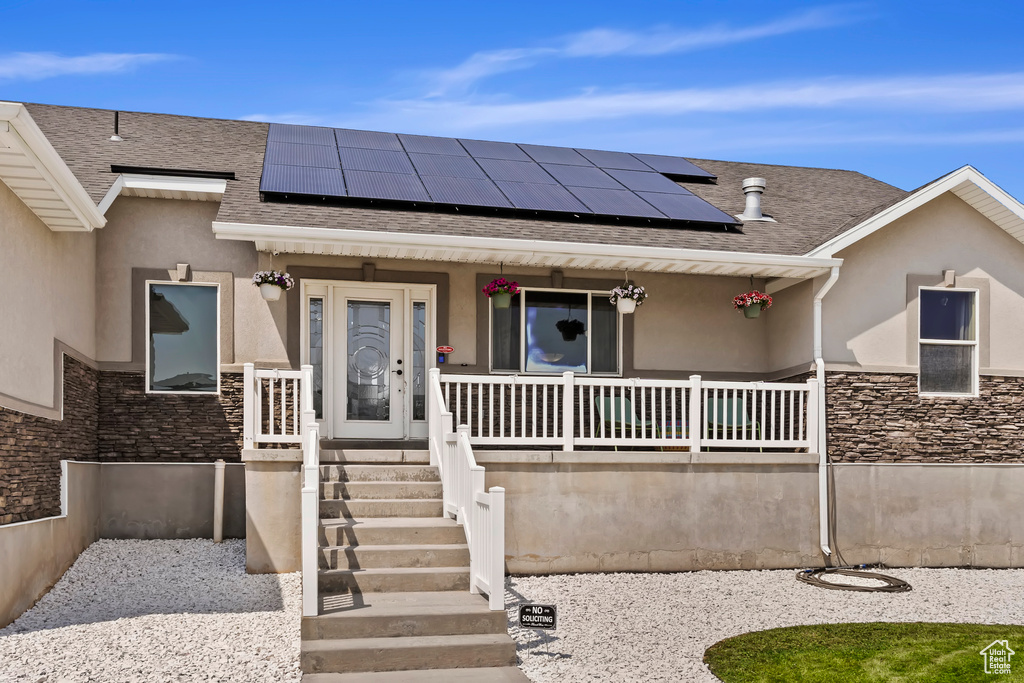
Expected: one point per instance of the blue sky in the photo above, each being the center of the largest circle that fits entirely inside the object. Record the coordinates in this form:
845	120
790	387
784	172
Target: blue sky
902	91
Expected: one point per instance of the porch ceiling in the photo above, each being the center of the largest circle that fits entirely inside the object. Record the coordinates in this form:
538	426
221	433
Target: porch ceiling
539	253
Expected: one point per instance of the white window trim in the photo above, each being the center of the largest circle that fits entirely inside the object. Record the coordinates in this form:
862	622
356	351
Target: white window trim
976	343
148	379
522	335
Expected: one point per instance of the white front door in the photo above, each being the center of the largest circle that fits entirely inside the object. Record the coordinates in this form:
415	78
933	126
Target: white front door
374	356
370	355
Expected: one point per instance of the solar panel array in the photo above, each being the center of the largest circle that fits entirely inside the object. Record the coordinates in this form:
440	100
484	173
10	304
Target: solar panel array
328	162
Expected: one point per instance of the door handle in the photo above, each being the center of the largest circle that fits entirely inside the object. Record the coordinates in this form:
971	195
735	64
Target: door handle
397	372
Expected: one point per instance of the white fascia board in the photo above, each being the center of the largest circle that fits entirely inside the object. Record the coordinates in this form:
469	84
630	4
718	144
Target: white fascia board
160	183
23	134
947	183
498	247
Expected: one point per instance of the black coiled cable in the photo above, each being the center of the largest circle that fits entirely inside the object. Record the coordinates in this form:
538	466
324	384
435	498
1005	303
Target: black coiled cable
813	577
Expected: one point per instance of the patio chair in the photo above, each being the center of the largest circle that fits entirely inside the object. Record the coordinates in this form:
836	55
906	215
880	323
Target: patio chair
729	413
610	410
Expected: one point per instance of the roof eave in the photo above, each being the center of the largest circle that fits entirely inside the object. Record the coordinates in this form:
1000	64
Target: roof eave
36	173
522	252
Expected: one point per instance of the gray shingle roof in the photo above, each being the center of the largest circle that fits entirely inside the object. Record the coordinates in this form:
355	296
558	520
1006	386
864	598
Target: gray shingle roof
809	204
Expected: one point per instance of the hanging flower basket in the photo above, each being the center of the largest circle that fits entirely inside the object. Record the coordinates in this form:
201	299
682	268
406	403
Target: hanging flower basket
272	283
627	297
500	292
570	328
752	303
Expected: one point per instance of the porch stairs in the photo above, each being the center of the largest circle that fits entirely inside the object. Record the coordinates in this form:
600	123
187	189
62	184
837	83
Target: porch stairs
394	601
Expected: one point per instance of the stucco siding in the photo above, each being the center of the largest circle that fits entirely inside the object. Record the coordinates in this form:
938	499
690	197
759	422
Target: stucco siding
870	316
156	235
47	278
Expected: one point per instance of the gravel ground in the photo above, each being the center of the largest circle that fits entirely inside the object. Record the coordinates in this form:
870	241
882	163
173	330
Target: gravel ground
158	611
655	627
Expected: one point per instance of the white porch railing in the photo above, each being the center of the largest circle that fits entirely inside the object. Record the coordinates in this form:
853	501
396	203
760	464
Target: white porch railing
278	409
481	513
570	411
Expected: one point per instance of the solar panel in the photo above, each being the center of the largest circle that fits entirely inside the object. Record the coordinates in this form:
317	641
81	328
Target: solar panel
291	154
465	191
673	166
555	155
328	162
481	149
305	135
367	139
394	186
516	171
446	165
686	207
615	202
426	144
638	181
539	197
581	176
325	182
375	160
614	160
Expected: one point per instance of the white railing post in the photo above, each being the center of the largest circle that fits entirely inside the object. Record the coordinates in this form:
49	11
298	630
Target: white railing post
695	416
813	408
434	434
568	404
248	405
310	503
310	519
496	562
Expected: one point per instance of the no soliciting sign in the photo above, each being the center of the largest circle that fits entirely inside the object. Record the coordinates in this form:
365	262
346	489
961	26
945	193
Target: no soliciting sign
537	616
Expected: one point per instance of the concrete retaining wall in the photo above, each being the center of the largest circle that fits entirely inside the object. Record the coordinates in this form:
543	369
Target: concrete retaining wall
113	500
168	500
931	515
34	555
594	512
615	512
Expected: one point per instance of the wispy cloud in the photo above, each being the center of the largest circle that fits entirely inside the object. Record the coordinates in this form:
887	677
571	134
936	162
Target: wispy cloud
934	94
604	42
33	66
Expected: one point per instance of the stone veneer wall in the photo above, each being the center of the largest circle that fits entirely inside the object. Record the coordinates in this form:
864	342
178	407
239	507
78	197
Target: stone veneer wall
138	427
881	418
32	447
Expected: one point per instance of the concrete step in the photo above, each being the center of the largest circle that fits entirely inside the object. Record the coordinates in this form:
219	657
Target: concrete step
390	531
382	556
342	472
393	580
382	507
348	490
403	654
504	674
364	455
391	615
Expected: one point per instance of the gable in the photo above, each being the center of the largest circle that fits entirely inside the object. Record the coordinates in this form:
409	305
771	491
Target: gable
967	183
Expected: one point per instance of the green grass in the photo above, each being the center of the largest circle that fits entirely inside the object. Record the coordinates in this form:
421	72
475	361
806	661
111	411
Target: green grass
865	653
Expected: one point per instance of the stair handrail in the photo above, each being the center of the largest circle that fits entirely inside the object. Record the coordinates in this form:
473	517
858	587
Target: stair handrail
310	495
481	513
439	425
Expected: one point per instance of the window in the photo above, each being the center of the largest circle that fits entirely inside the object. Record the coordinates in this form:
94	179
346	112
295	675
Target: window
182	330
551	331
948	342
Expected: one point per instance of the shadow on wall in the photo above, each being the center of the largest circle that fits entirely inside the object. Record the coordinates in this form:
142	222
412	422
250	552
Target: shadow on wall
119	579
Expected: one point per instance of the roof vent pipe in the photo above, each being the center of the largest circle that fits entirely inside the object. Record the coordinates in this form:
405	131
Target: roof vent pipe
753	187
116	137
